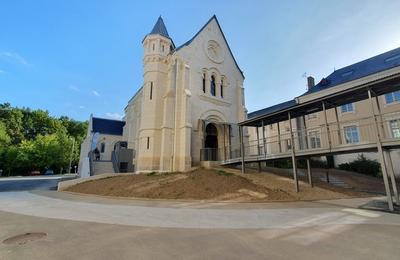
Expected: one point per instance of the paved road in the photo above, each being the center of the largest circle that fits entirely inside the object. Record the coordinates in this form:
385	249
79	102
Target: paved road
86	227
186	216
31	183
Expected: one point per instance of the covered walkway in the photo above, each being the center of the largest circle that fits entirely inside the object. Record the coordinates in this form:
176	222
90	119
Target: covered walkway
375	131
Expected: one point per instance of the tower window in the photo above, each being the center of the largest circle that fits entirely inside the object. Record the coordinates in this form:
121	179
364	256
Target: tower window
204	83
154	46
148	143
162	48
213	85
151	90
222	88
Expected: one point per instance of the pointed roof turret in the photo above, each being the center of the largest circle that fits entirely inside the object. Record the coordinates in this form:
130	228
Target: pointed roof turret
159	28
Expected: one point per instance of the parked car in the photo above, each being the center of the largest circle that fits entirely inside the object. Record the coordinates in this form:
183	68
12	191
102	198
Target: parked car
34	173
49	172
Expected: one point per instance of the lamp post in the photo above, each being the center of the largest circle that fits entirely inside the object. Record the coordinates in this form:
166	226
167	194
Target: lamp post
70	157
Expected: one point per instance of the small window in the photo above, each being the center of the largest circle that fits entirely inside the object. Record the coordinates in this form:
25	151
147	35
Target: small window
312	116
288	144
347	108
151	90
222	88
395	128
162	48
148	143
351	134
392	97
315	139
102	147
347	73
212	85
204	83
154	46
392	58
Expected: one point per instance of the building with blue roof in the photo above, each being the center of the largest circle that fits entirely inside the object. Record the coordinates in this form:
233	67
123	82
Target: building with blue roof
353	111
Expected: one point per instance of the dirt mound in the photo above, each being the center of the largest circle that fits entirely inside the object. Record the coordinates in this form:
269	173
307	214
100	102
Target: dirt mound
202	184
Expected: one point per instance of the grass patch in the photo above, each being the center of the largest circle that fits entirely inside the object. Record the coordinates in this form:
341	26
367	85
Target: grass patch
224	173
151	174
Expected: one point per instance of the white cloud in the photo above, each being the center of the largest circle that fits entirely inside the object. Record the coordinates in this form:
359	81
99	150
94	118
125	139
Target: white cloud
95	93
114	115
13	56
73	88
82	107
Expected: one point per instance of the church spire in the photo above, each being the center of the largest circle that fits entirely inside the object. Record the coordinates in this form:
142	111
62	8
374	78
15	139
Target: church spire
159	28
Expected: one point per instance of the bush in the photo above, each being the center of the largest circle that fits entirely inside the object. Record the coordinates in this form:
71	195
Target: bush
362	165
301	164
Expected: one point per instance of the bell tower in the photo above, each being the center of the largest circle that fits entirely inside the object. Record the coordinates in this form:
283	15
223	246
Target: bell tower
157	47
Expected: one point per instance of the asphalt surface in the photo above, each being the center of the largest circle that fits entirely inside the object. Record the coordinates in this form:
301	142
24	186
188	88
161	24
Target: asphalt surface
31	183
86	227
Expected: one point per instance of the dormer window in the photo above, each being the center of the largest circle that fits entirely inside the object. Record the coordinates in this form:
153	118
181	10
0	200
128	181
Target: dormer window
212	90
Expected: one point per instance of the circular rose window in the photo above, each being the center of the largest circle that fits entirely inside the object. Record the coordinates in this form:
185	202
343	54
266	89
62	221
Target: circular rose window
214	51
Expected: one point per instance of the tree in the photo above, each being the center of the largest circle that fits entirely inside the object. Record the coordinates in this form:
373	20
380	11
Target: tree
12	118
4	137
33	140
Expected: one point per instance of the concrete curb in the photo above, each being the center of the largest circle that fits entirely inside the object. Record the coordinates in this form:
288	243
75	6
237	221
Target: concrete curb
62	185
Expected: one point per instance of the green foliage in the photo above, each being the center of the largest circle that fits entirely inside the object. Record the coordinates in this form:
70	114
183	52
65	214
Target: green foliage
33	140
363	165
301	164
4	137
223	173
151	173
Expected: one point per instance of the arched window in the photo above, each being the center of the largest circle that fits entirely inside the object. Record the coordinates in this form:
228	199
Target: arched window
204	83
213	85
222	88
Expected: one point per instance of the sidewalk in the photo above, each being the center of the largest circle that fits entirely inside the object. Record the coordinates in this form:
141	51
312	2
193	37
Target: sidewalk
40	177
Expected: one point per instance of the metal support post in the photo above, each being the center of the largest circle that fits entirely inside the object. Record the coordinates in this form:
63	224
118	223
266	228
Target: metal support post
381	156
293	155
309	173
263	137
279	138
242	147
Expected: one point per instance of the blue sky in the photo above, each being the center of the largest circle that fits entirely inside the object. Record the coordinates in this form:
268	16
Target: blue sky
79	57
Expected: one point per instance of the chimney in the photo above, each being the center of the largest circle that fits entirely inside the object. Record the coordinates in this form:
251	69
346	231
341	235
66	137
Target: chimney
310	82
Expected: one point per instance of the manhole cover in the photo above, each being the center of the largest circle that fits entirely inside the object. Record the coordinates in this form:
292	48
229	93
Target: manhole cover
24	238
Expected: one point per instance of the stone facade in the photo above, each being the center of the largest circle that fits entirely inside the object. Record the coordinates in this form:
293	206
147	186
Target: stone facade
185	89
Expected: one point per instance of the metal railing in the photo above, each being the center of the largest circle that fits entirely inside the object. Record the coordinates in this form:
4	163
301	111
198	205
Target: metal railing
334	137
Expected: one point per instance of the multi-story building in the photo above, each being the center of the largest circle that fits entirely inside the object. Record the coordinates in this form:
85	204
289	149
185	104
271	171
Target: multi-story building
350	124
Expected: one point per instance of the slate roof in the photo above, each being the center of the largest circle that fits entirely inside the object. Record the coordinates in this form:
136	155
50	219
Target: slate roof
272	109
107	126
159	28
355	71
358	70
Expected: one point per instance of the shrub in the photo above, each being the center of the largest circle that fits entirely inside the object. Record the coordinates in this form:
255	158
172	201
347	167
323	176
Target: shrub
362	165
224	173
302	164
151	174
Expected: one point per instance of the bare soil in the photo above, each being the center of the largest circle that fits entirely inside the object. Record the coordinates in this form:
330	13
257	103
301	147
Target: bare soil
213	184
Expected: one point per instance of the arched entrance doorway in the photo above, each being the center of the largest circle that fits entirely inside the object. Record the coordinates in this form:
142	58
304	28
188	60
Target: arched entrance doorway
211	143
211	140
